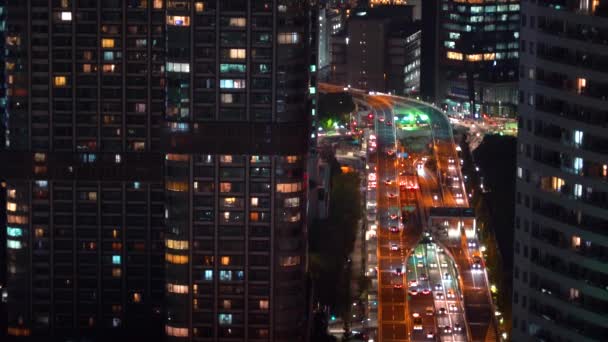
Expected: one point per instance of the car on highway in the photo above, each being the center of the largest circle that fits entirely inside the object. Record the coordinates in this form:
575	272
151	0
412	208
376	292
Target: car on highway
457	327
393	229
446	276
424	276
439	295
417	321
391	195
438	287
426	291
389	123
472	244
419	255
447	329
393	215
413	291
451	160
394	247
398	286
476	262
451	294
413	283
430	335
441	311
433	265
398	270
429	311
388	181
420	264
381	118
453	308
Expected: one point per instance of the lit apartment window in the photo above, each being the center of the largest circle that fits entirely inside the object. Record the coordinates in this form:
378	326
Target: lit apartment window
578	190
14	232
13	244
578	138
289	187
291	202
225	187
177	244
474	58
225	260
178	67
225	275
10	206
107	43
158	4
232	84
226	98
255	201
292	159
116	272
232	68
237	22
264	304
289	38
176	332
178	20
225	319
581	83
109	68
60	81
179	289
66	16
576	242
237	53
16	219
176	186
454	55
140	107
176	259
136	297
116	259
177	157
577	164
86	68
199	7
557	183
209	275
227	304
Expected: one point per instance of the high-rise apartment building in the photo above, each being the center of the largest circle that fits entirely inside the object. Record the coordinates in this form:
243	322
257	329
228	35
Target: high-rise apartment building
478	53
561	225
238	107
85	232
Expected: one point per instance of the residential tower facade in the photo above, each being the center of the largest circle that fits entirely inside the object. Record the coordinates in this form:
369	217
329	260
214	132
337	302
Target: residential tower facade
561	241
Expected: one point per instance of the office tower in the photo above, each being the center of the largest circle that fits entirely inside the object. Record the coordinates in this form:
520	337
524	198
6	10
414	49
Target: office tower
237	110
84	186
561	275
3	327
379	51
478	54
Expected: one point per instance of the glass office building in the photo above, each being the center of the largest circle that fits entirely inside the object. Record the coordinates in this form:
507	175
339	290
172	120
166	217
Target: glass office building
478	54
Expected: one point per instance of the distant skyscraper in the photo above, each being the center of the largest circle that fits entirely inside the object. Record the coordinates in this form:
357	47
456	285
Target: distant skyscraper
478	54
84	196
239	104
561	240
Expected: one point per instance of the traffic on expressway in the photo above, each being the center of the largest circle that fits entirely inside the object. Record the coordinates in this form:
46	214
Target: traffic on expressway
432	285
